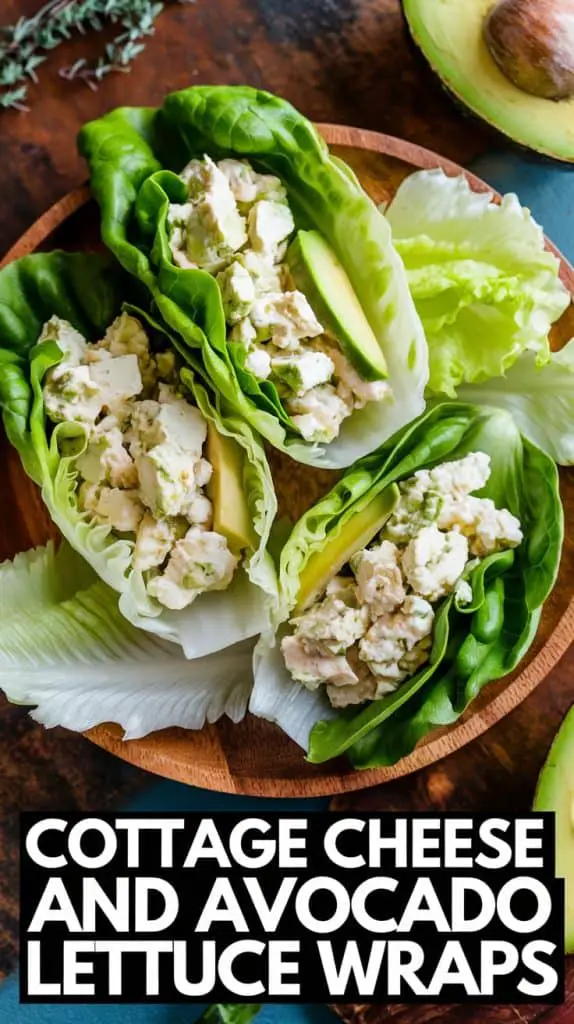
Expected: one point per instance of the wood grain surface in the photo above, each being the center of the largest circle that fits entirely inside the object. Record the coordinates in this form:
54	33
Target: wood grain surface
338	60
346	61
469	1014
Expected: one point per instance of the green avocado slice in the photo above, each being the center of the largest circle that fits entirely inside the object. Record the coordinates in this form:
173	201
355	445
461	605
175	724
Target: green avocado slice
555	792
317	273
353	535
231	515
450	35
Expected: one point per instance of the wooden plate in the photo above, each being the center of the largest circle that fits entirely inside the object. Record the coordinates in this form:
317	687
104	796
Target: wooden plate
255	757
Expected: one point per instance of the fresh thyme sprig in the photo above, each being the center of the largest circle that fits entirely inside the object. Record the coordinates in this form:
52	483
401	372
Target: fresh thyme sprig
24	45
137	23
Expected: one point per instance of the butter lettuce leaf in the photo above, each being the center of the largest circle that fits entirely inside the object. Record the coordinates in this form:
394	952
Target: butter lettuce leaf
132	156
87	665
540	398
472	645
484	285
88	290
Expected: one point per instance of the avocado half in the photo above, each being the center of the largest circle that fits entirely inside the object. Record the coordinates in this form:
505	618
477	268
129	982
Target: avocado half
449	33
555	792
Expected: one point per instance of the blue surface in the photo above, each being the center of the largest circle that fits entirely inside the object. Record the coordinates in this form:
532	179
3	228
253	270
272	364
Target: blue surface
12	1010
168	797
548	190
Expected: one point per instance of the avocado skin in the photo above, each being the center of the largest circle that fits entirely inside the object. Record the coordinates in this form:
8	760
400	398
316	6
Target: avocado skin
555	792
469	115
545	153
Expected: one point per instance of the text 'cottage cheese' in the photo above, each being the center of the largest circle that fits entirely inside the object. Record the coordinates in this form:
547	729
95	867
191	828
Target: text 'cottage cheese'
237	225
143	473
373	628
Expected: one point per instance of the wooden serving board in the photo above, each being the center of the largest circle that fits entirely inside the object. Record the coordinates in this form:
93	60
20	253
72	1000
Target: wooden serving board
254	757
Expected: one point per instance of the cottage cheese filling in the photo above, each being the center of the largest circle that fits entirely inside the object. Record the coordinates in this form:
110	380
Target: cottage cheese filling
143	473
373	628
237	225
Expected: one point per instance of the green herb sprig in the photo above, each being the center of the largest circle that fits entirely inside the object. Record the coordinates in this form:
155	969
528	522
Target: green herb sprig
25	45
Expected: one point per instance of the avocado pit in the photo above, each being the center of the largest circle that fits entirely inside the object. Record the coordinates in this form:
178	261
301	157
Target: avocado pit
532	41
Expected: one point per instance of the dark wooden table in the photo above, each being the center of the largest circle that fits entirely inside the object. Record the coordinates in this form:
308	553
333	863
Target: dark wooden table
345	61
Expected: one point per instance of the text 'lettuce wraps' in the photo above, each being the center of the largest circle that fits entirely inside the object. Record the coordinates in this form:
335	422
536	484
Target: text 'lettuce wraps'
268	258
417	580
167	497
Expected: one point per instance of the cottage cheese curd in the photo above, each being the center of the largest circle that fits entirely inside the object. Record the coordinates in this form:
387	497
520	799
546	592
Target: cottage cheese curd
142	473
237	224
373	628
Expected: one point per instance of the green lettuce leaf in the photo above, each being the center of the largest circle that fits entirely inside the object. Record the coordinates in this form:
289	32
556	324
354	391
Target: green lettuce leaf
484	286
230	1013
87	289
473	644
87	665
132	156
540	398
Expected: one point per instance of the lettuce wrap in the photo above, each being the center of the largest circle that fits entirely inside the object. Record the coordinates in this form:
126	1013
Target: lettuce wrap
481	624
136	156
86	291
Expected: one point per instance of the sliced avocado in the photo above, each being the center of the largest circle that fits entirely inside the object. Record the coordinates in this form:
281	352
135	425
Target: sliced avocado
317	272
231	515
555	792
451	35
354	534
